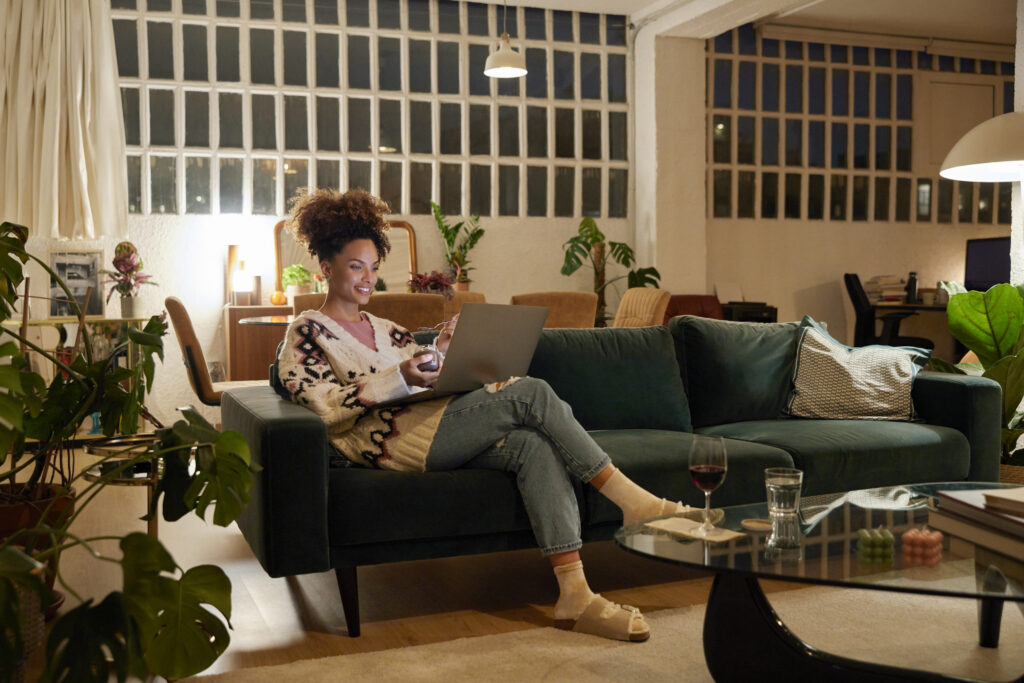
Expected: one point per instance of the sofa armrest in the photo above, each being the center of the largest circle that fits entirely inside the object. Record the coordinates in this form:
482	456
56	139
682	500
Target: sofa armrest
285	522
972	405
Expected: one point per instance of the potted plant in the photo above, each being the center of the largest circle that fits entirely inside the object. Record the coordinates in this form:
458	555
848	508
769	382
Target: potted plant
296	279
434	282
588	247
144	626
458	239
127	277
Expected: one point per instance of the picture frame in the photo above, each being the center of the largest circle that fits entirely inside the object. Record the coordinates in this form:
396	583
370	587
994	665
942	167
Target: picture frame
80	269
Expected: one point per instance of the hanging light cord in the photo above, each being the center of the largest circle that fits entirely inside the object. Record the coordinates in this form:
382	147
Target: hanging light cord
504	19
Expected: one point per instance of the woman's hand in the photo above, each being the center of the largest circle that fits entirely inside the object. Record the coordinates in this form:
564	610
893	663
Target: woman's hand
415	377
444	338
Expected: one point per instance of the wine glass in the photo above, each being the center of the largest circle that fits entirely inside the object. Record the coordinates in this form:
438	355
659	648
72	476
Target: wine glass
707	468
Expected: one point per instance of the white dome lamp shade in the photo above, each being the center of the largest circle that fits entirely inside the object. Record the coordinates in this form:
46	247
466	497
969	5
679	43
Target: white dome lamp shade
992	151
506	62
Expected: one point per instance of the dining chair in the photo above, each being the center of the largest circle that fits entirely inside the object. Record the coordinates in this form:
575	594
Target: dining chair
864	329
454	305
641	307
208	391
410	310
565	309
306	302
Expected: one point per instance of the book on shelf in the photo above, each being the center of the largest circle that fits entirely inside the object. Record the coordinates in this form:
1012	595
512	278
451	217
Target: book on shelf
1010	501
973	506
978	534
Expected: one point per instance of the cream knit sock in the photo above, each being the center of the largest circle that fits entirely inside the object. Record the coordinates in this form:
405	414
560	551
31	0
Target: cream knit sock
635	502
574	593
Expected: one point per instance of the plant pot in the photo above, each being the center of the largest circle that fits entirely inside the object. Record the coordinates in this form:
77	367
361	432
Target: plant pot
291	290
128	307
461	286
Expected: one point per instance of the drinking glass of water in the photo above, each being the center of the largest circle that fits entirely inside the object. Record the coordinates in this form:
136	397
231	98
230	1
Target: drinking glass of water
707	468
783	486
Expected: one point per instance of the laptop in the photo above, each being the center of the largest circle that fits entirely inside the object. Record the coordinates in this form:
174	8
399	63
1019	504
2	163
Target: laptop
492	342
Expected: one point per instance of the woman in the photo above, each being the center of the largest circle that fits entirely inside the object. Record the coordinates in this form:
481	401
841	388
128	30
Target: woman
341	362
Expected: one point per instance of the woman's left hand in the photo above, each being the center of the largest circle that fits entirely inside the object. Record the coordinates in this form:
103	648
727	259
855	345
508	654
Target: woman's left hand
444	338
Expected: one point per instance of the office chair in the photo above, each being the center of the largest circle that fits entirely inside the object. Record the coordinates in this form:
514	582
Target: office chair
641	307
864	327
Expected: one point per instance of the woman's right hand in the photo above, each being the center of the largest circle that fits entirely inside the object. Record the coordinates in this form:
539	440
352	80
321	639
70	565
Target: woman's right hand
415	377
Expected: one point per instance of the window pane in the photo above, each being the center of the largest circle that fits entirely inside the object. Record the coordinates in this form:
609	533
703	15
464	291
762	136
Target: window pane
161	50
293	10
840	92
722	194
261	55
618	192
883	148
230	184
615	29
197	120
723	42
451	188
508	86
746	85
390	115
419	15
745	194
986	192
591	123
358	125
616	78
388	14
478	19
328	174
769	195
965	202
769	87
746	39
816	144
860	198
794	49
421	180
451	128
261	9
359	175
328	137
861	93
1005	191
861	142
389	57
134	184
617	135
162	185
230	119
815	197
881	199
161	117
536	26
448	16
904	96
561	26
536	191
508	132
296	177
591	192
860	55
590	76
903	199
564	68
883	96
227	54
837	198
479	129
264	133
903	148
792	206
794	89
839	53
325	12
794	142
448	68
194	39
816	90
264	187
294	58
840	153
723	83
769	142
721	139
326	60
590	28
479	190
536	131
126	42
565	190
357	13
359	62
228	8
508	190
924	199
421	128
479	83
296	123
130	113
565	129
536	72
391	184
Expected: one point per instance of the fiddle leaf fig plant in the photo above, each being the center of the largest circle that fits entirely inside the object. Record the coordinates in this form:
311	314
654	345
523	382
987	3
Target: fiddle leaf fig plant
164	620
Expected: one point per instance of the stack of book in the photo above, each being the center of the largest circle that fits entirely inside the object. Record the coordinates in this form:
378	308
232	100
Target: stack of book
886	288
992	518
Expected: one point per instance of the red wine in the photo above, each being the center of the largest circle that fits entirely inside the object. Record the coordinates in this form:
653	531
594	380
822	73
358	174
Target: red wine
707	477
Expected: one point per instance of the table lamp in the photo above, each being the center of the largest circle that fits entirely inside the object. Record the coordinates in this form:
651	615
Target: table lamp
991	152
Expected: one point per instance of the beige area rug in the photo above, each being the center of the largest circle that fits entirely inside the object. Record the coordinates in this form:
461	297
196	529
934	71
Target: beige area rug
925	632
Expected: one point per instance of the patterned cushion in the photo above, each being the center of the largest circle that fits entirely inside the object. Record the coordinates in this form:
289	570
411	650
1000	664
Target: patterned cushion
833	381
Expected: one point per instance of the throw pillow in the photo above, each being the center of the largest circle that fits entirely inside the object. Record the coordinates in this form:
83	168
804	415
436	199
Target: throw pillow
837	382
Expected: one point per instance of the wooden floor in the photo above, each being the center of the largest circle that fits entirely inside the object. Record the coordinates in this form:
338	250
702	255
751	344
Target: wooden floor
277	621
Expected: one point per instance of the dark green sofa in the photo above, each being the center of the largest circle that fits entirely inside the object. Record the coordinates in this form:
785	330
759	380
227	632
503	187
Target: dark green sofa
641	392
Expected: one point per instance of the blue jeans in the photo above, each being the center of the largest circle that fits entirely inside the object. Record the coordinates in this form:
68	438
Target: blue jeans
526	429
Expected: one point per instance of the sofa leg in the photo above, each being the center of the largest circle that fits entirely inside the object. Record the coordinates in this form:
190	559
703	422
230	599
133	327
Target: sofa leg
349	589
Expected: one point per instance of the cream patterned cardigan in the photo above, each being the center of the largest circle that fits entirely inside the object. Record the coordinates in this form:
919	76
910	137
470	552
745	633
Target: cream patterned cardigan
329	371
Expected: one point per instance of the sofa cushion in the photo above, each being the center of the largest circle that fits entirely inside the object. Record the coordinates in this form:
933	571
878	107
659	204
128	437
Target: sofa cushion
843	455
834	381
657	460
735	371
615	378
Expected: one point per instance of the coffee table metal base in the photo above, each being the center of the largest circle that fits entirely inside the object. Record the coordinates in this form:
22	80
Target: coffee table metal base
744	639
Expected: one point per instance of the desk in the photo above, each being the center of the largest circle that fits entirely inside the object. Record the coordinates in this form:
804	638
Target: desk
749	312
899	306
252	348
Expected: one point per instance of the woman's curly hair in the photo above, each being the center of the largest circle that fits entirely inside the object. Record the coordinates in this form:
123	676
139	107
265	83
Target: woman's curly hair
325	221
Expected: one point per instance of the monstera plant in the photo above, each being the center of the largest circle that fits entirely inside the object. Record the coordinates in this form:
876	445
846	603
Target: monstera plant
991	324
163	620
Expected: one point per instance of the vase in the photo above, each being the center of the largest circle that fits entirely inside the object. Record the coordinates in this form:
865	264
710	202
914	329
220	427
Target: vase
127	307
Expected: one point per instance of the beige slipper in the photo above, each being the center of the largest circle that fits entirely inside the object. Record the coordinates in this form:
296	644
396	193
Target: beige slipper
606	619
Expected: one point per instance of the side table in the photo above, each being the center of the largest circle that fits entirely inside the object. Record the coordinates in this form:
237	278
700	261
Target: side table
139	474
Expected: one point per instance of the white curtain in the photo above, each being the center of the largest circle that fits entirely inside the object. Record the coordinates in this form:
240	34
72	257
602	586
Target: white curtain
62	155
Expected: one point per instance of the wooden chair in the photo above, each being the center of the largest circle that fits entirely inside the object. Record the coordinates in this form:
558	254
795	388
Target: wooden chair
411	311
641	307
208	391
454	305
306	302
565	309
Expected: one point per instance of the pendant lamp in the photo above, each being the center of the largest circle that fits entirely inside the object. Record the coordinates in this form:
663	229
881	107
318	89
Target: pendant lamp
992	151
505	62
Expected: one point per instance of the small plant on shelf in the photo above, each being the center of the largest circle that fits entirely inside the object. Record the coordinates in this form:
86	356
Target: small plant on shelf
127	277
434	282
296	275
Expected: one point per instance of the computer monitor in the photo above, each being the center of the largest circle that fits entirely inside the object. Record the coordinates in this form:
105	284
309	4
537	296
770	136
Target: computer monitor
987	263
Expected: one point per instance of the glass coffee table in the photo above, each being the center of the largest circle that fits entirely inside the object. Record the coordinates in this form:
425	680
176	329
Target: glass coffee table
738	612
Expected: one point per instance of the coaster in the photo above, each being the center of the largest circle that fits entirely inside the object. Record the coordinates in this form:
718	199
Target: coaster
762	525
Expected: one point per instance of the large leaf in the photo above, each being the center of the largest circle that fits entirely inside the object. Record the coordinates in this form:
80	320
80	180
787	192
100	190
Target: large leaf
644	277
987	323
621	253
81	640
1009	373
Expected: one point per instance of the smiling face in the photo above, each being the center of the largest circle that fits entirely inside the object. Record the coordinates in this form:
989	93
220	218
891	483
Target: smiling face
352	273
